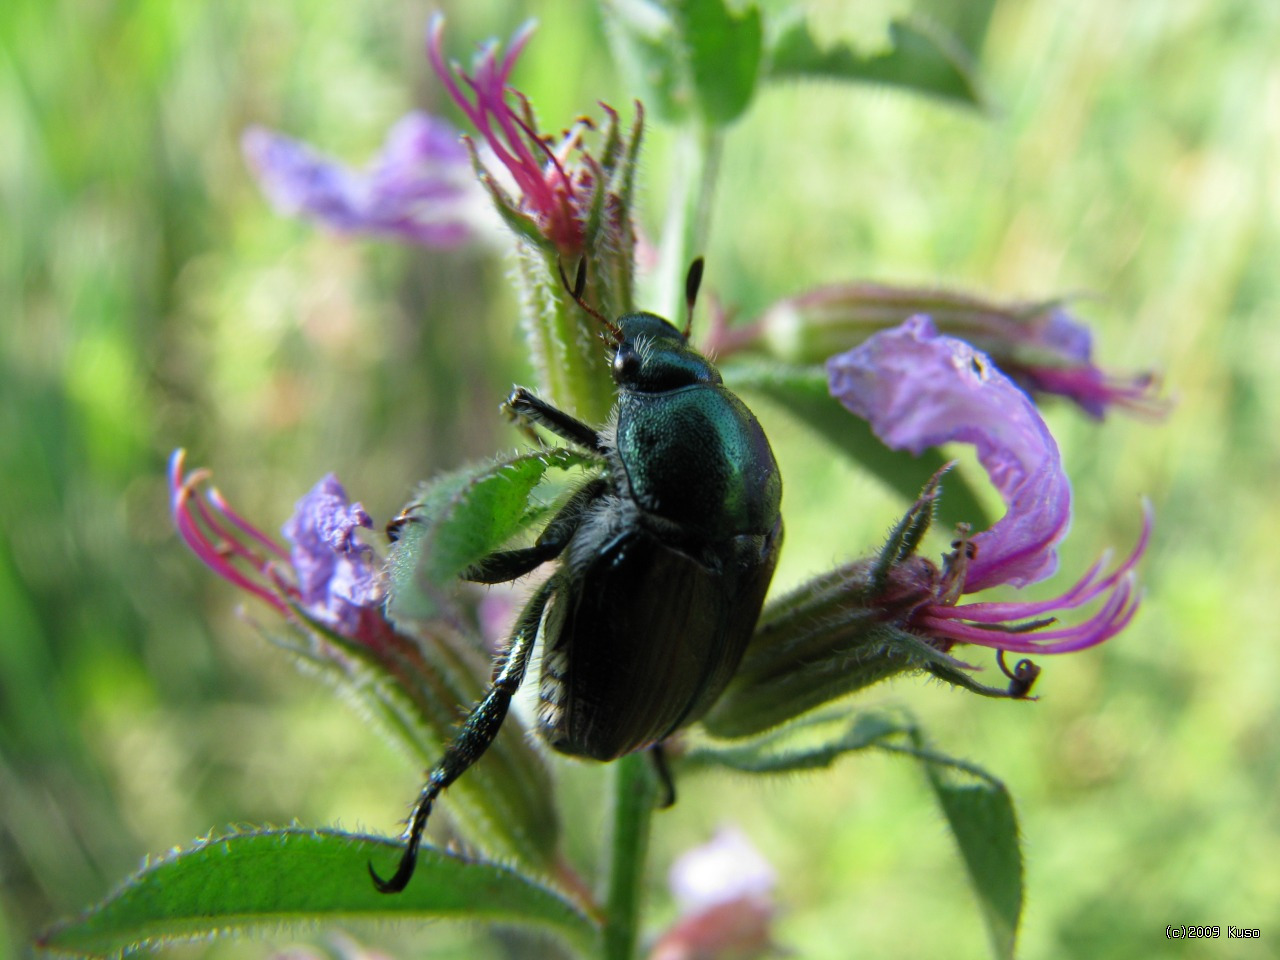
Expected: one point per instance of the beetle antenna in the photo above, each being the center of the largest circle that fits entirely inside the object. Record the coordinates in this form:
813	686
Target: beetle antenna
692	282
576	289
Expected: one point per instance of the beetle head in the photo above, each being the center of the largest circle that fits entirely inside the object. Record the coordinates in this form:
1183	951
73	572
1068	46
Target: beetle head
652	356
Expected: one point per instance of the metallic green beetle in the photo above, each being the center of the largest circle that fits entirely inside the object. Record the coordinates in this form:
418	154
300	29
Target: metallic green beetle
665	561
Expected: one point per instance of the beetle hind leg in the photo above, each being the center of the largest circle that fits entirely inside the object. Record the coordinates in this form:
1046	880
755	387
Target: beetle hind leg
475	737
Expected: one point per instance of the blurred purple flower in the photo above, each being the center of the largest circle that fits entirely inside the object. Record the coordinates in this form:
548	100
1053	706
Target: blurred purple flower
919	389
326	574
1039	346
724	890
419	189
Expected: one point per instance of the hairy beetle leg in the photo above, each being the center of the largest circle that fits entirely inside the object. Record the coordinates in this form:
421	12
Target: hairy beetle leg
526	408
503	565
475	737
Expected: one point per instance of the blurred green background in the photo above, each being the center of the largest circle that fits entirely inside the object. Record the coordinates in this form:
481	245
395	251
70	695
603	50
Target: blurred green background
149	299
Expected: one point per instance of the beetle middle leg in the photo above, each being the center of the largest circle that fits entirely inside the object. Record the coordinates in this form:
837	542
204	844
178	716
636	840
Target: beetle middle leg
503	565
475	737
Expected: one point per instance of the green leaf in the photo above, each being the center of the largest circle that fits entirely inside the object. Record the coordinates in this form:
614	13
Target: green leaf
976	804
802	391
645	42
460	517
688	55
724	55
980	813
922	57
273	878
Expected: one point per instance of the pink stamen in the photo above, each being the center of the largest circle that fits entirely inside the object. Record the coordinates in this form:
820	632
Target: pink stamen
994	624
220	504
1106	623
194	527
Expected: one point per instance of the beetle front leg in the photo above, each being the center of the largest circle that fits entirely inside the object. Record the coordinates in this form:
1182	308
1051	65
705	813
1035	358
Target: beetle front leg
525	407
475	737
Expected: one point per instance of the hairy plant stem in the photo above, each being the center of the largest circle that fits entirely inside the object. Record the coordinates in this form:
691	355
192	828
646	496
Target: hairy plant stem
633	797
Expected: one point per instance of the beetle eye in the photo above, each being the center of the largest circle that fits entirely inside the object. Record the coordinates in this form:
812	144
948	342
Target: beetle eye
626	363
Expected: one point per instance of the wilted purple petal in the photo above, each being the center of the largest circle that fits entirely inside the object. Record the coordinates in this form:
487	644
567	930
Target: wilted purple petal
919	389
418	189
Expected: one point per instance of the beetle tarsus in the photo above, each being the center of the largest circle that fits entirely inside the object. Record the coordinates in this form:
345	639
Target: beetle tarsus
662	769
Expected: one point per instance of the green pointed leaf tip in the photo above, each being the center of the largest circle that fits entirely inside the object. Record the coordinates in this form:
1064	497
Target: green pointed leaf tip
802	391
689	55
977	805
981	816
922	57
269	878
460	517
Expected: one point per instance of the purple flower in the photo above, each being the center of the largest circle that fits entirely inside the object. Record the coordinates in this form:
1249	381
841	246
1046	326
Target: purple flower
920	389
724	889
1039	346
327	574
335	573
420	189
553	195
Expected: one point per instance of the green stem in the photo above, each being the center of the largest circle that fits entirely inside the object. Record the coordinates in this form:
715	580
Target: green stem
684	236
634	796
567	353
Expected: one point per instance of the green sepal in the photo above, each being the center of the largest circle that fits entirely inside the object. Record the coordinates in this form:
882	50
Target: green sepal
922	57
273	878
802	391
460	517
812	743
806	654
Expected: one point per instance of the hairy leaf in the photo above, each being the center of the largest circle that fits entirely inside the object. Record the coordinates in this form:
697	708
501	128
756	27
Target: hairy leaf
460	517
273	878
922	57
